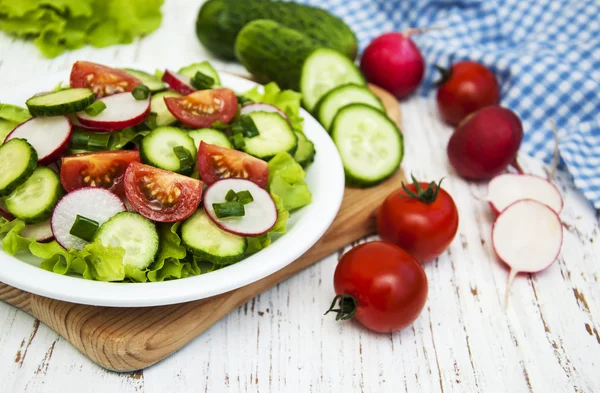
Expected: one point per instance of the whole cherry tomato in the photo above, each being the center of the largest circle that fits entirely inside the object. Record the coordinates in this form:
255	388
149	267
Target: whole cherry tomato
465	88
421	218
381	286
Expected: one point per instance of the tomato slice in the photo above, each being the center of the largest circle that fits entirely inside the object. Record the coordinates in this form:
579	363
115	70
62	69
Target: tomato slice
203	107
161	195
215	163
104	169
103	80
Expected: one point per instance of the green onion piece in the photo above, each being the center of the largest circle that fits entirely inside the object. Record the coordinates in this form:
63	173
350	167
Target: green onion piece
250	130
98	142
230	196
229	209
202	81
140	92
186	162
95	108
238	141
237	128
150	121
80	139
244	197
84	228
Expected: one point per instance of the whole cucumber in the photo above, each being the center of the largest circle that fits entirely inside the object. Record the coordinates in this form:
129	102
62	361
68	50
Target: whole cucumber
220	21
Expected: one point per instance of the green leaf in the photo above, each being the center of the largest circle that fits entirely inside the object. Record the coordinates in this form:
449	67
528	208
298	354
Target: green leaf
167	264
14	113
119	139
288	101
13	242
293	196
6	126
105	263
283	165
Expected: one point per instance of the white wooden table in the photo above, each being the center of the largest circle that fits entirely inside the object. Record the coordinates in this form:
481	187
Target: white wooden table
464	341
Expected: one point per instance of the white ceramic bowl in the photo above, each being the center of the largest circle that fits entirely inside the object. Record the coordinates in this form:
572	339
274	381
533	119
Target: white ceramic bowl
325	178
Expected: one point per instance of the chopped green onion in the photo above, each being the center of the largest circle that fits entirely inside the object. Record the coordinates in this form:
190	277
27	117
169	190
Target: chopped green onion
202	81
229	209
84	228
95	108
98	142
80	139
237	128
238	141
140	92
150	121
250	130
230	196
244	197
186	162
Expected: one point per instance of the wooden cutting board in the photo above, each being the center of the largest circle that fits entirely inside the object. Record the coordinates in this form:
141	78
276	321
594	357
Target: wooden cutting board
128	339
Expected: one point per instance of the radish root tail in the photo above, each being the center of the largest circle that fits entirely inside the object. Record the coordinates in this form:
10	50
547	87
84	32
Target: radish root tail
410	32
515	164
555	160
511	277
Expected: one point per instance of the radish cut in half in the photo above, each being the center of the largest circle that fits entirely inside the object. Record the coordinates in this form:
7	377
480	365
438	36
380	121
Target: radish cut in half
41	232
49	136
179	83
96	204
504	190
260	215
258	107
122	111
527	236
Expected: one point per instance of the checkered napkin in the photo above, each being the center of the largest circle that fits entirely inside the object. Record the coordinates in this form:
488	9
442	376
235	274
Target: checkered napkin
545	53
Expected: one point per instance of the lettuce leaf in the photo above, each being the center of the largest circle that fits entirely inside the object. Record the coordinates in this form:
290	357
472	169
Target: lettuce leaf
119	139
14	113
288	101
286	181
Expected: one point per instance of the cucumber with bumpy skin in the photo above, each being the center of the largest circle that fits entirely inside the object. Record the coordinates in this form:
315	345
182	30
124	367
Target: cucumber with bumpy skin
18	160
62	102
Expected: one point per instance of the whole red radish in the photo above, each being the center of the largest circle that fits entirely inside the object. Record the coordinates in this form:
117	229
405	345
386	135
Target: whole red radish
421	218
393	61
486	143
380	285
466	87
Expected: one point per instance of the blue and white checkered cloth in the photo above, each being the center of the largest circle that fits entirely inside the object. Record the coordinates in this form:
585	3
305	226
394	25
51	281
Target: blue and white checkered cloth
545	53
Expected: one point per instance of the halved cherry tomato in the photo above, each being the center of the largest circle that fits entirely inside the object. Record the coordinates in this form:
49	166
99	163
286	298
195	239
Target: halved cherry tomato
103	80
160	195
104	169
215	163
203	107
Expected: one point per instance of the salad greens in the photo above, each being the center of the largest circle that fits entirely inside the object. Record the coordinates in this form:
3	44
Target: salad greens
288	101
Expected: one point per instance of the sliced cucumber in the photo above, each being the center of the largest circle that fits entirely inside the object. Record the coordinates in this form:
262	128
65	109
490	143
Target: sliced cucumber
207	241
275	135
135	234
370	144
204	67
157	147
305	153
322	71
62	102
210	135
34	200
18	160
158	106
330	103
151	81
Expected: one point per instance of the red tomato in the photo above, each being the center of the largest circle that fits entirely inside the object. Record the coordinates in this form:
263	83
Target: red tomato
381	286
160	195
215	163
203	107
465	88
103	80
104	169
422	220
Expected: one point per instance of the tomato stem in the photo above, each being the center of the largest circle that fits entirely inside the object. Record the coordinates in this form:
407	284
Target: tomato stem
428	196
446	75
347	307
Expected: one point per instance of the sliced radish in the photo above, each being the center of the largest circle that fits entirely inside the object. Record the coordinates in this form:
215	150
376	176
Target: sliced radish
96	204
5	213
122	111
77	124
49	136
41	232
260	215
527	236
504	190
259	107
179	83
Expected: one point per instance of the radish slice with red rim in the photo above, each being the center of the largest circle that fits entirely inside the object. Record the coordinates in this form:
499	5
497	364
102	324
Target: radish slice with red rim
259	107
49	136
260	215
507	189
122	111
96	204
179	83
41	232
527	236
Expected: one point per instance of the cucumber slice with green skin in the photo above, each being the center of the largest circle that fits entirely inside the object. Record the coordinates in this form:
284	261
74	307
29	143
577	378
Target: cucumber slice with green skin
324	70
305	153
62	102
370	144
156	148
158	106
34	200
150	80
275	135
135	234
18	160
206	240
330	103
210	135
204	67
